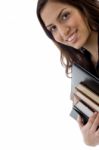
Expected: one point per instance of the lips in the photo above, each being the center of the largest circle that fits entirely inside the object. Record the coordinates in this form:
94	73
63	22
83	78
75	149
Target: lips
72	37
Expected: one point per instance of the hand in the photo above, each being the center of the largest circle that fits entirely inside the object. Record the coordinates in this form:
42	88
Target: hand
90	130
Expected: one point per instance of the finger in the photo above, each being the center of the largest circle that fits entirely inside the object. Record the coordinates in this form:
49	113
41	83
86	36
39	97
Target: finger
95	123
80	121
91	121
97	132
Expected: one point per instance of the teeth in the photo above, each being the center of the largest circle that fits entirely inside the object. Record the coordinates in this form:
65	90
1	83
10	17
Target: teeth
71	38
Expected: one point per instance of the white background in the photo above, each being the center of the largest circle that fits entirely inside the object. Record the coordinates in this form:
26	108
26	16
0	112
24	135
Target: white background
34	91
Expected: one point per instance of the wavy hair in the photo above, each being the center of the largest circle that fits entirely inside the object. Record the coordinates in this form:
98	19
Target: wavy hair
70	55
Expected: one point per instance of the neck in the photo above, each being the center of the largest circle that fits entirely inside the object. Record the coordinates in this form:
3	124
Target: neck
92	47
92	43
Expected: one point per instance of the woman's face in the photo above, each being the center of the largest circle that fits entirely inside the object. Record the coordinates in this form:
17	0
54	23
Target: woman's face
66	23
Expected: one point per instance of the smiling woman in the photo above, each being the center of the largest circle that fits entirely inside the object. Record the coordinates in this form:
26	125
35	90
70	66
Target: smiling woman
74	26
67	24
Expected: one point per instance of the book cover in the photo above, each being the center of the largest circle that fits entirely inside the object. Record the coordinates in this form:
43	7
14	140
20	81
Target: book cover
81	109
80	75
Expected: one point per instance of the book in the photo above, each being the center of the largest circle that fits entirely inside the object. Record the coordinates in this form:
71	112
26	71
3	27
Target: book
82	76
89	93
87	100
84	93
76	112
83	110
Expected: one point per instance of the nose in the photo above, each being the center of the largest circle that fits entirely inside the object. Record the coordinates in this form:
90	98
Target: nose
64	31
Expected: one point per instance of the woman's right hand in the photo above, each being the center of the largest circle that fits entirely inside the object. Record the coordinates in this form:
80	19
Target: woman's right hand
90	130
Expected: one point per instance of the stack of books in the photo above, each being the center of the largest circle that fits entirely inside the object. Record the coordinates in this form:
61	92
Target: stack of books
85	94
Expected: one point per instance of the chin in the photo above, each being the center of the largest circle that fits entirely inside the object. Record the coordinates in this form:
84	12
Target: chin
78	45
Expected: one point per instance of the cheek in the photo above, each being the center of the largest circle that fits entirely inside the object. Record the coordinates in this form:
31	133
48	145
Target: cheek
73	21
84	28
57	38
76	21
83	23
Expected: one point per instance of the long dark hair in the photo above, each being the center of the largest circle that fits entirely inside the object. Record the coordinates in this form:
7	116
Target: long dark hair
69	55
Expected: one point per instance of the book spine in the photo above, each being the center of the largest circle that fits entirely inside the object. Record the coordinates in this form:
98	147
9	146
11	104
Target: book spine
88	92
87	100
76	112
84	108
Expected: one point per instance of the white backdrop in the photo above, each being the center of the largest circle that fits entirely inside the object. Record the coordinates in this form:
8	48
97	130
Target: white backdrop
34	92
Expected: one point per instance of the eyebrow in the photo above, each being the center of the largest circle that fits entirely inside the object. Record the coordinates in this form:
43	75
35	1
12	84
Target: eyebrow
57	17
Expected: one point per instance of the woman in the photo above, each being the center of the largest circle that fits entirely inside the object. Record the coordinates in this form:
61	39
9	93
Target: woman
73	26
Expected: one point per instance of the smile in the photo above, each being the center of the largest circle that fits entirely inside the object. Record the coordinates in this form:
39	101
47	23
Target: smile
73	37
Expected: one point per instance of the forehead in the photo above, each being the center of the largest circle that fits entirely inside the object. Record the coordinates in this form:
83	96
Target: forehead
51	11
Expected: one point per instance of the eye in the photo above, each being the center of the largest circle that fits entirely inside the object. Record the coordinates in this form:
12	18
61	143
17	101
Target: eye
52	29
65	16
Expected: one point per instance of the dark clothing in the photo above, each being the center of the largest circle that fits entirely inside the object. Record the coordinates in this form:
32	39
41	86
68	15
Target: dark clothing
94	69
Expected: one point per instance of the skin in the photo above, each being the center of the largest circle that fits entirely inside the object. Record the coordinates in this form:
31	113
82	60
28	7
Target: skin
70	27
89	131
